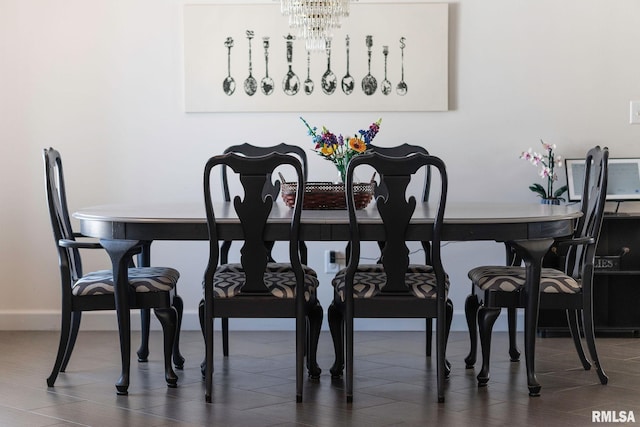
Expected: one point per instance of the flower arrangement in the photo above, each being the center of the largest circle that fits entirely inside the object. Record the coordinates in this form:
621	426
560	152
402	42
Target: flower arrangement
547	162
339	149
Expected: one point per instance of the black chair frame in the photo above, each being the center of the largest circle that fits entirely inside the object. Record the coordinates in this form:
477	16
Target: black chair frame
483	307
271	188
255	300
394	300
167	305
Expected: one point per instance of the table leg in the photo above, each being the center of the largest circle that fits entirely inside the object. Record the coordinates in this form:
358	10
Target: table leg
532	252
119	252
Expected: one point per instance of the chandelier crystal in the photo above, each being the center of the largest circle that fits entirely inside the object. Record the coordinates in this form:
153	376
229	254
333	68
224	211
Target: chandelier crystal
314	20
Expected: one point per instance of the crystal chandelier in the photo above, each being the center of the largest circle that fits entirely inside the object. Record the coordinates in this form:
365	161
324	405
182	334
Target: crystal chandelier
314	20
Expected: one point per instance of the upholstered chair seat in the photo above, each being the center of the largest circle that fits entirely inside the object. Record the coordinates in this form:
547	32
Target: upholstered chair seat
370	279
141	279
227	284
510	279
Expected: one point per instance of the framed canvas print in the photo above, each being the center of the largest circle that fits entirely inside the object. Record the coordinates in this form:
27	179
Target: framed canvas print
385	57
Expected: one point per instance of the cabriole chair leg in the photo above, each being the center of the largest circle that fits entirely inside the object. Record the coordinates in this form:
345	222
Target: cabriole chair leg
336	326
168	320
486	319
471	306
76	317
178	359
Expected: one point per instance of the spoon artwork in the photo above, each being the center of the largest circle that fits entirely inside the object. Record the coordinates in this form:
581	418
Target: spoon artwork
266	84
385	86
291	82
250	83
308	83
369	83
348	83
228	84
401	89
329	82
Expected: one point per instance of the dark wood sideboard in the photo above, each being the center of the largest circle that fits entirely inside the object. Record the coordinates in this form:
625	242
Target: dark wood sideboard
616	282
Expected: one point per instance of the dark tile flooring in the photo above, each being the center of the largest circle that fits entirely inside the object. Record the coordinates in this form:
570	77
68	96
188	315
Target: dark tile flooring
394	384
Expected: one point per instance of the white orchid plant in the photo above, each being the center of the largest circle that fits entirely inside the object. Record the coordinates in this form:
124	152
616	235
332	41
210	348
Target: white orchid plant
547	162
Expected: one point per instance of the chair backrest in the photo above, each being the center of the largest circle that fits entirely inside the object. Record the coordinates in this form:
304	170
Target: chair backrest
247	149
253	211
592	206
59	213
404	150
396	210
272	188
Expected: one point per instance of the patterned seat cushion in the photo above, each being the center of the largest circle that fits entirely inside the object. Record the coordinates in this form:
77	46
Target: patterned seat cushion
274	267
142	279
510	279
371	278
227	284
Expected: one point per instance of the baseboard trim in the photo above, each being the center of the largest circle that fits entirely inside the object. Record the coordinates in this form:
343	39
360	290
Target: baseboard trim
106	321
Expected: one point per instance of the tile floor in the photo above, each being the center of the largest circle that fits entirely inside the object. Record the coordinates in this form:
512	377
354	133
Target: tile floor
394	384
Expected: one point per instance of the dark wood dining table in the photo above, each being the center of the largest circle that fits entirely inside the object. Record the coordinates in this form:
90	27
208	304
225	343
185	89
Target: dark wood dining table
530	228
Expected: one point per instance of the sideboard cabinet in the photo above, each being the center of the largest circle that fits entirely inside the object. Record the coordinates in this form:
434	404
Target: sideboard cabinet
616	299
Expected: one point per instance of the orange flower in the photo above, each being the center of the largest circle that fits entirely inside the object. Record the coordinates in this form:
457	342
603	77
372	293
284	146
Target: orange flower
357	145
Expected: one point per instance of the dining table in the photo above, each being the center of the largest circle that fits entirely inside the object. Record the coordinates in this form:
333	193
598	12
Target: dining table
530	228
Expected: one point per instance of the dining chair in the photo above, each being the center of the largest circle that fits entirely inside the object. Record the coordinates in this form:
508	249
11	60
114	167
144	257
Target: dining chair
273	189
150	287
254	291
400	289
569	289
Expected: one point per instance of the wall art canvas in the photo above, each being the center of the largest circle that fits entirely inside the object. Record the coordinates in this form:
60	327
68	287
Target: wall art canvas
385	57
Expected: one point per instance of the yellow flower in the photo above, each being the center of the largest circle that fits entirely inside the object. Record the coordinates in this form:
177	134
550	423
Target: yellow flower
357	145
327	150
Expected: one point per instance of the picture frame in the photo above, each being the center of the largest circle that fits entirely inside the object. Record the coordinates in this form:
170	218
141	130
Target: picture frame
244	57
623	182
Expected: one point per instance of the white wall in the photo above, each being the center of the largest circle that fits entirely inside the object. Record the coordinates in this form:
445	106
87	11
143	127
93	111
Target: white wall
101	81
